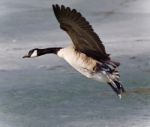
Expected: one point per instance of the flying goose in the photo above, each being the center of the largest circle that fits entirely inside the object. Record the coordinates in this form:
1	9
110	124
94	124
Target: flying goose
87	54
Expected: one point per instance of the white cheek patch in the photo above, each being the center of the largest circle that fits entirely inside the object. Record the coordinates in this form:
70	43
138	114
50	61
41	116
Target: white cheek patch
34	54
60	53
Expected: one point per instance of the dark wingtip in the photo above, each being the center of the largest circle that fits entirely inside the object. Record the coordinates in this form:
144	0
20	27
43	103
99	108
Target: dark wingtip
53	6
56	9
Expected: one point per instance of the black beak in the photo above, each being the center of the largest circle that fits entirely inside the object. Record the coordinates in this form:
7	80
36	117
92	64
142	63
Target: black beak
26	56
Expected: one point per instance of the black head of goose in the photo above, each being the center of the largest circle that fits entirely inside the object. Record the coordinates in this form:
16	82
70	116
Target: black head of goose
87	54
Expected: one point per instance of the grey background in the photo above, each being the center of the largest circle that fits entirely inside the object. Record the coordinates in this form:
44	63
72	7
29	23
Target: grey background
47	92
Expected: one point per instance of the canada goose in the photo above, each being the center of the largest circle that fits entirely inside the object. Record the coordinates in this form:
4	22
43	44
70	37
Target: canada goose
87	54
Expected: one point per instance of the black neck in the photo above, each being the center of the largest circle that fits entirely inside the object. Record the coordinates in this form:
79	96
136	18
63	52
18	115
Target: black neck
53	50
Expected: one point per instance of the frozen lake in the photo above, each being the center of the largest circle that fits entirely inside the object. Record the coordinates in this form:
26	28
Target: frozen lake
47	92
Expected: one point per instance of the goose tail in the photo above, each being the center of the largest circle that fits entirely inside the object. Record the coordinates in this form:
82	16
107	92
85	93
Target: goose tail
110	70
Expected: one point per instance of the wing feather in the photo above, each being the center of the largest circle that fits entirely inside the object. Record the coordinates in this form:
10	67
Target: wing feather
81	32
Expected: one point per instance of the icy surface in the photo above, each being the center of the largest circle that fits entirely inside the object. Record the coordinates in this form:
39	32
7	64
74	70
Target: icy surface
47	92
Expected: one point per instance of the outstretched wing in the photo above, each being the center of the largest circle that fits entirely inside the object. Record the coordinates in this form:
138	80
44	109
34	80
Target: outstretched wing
81	32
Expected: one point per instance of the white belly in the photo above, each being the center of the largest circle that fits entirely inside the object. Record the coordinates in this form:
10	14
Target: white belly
98	76
81	63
